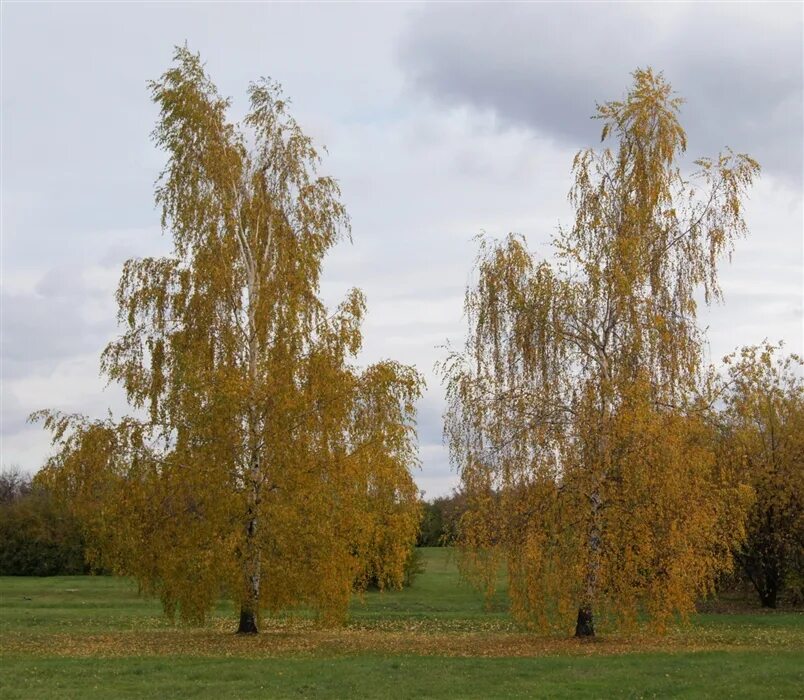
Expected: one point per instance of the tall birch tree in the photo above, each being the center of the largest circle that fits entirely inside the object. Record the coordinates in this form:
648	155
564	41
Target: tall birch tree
269	466
572	416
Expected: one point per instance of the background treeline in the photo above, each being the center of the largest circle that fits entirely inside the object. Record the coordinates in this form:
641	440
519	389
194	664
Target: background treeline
441	520
38	537
758	431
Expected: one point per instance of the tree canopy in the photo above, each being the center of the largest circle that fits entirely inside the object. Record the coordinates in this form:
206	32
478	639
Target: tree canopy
260	460
575	414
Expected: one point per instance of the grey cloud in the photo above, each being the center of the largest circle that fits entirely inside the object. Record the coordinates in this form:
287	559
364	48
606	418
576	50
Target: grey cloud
429	418
12	415
438	478
739	66
49	324
749	318
63	283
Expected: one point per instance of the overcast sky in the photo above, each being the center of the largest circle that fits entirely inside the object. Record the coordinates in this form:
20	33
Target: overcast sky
441	121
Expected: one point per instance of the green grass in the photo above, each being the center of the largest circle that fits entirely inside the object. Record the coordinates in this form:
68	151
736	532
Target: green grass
439	595
88	637
707	674
103	603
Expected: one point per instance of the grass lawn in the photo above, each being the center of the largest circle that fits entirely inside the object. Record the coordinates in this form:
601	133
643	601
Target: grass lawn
71	637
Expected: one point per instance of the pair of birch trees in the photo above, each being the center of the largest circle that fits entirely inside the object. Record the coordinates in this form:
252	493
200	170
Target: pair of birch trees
270	469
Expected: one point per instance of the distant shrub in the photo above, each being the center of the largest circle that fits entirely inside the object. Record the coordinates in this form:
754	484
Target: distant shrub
37	536
441	520
374	580
414	565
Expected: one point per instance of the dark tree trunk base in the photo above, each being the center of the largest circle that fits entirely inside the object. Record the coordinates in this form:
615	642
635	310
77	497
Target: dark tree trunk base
248	623
584	627
769	590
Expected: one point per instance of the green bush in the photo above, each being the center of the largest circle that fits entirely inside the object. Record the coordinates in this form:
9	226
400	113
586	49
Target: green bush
441	520
414	566
37	536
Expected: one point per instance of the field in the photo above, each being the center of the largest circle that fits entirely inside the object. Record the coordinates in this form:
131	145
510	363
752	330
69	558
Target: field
94	637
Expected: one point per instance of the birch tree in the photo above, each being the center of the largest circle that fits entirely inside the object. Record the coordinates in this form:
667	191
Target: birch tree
572	415
269	466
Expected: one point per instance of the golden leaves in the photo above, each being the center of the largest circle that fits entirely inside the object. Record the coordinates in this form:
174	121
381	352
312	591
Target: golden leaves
571	412
269	469
762	443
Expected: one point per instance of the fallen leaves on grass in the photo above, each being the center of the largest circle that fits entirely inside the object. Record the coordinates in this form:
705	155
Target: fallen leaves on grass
300	637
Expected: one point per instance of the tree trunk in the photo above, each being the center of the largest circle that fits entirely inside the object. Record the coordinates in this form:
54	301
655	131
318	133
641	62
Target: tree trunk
249	608
248	622
765	578
585	627
768	596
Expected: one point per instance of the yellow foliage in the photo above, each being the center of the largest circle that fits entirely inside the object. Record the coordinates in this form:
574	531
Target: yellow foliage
269	469
574	413
762	439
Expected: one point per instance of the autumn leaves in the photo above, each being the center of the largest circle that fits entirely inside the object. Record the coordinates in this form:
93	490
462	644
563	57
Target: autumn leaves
581	417
264	466
261	464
